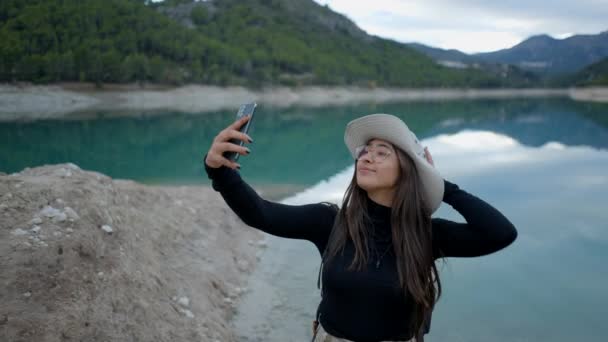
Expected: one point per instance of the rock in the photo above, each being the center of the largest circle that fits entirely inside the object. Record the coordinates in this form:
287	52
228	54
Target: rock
242	265
35	220
107	229
63	172
35	229
186	312
27	294
69	230
53	213
73	166
49	212
19	232
184	301
71	214
60	218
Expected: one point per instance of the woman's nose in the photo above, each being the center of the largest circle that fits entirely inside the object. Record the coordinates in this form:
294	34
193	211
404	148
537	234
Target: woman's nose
367	157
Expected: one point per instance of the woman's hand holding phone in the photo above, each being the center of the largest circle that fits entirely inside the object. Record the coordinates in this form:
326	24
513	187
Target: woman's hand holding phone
215	156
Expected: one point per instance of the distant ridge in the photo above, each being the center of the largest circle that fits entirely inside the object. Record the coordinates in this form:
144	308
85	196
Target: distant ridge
545	54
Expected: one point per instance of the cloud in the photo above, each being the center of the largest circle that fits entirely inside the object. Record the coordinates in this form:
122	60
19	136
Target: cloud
553	193
473	25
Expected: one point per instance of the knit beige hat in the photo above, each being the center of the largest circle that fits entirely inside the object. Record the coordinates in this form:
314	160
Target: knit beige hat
391	128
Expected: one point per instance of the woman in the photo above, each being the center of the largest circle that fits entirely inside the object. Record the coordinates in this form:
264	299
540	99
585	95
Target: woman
380	282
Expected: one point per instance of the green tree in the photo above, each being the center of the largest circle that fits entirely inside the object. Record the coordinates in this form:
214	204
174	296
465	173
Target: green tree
199	15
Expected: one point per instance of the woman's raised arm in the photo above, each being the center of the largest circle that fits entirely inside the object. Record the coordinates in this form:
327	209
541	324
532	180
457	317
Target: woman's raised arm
486	229
311	222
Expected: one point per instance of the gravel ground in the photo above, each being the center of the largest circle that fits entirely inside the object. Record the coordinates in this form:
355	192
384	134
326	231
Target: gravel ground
84	257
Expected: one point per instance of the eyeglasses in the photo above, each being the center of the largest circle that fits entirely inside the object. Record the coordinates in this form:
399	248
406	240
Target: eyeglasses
379	153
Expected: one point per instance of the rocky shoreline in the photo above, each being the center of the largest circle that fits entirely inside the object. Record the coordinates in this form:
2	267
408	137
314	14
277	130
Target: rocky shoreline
87	257
28	102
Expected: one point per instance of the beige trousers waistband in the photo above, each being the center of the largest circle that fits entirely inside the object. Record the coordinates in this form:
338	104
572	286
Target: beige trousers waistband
323	336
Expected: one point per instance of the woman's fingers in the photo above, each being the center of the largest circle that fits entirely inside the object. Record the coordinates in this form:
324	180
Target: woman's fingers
215	157
216	160
233	134
231	164
238	123
428	156
221	144
230	147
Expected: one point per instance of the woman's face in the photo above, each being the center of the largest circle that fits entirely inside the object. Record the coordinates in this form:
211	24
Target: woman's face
375	173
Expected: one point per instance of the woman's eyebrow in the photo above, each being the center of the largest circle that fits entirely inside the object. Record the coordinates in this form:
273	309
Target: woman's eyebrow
380	144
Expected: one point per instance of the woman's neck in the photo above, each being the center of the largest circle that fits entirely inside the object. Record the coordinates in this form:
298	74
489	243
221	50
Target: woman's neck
384	198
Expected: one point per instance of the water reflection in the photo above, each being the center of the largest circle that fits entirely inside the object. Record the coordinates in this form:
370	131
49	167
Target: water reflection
547	286
293	147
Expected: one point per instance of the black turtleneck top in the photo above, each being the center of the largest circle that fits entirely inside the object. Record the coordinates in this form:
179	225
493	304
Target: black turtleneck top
367	305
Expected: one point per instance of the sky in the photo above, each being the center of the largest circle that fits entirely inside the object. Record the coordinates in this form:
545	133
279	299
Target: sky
473	25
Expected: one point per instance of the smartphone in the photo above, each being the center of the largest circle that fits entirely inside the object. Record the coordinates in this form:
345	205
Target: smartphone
246	109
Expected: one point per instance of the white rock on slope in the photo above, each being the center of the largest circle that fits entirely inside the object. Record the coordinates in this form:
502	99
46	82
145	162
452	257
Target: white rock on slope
107	229
35	220
19	232
71	214
53	213
184	301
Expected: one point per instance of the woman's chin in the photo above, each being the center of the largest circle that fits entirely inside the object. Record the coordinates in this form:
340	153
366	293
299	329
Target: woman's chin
365	185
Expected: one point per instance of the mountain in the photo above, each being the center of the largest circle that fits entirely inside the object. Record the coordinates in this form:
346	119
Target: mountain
557	60
223	42
595	74
459	60
547	55
451	57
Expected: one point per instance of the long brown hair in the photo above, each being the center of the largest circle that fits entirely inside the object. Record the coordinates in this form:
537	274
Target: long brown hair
411	237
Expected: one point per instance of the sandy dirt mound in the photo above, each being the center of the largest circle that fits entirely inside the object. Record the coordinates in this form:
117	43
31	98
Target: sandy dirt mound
87	258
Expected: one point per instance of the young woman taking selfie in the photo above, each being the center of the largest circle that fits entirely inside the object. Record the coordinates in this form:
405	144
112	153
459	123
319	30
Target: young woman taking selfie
378	249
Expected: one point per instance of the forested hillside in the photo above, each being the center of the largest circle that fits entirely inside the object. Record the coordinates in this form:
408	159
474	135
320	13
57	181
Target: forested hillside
593	75
227	42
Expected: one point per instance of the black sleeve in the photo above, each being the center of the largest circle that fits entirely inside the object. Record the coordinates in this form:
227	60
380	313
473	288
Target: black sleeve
311	222
486	230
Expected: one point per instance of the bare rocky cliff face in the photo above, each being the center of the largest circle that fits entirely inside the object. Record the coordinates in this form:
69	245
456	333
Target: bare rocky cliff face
84	257
308	11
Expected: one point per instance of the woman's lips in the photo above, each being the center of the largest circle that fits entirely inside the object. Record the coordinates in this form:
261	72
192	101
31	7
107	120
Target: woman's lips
364	170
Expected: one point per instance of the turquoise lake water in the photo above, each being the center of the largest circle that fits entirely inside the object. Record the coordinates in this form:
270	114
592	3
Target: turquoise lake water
542	163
